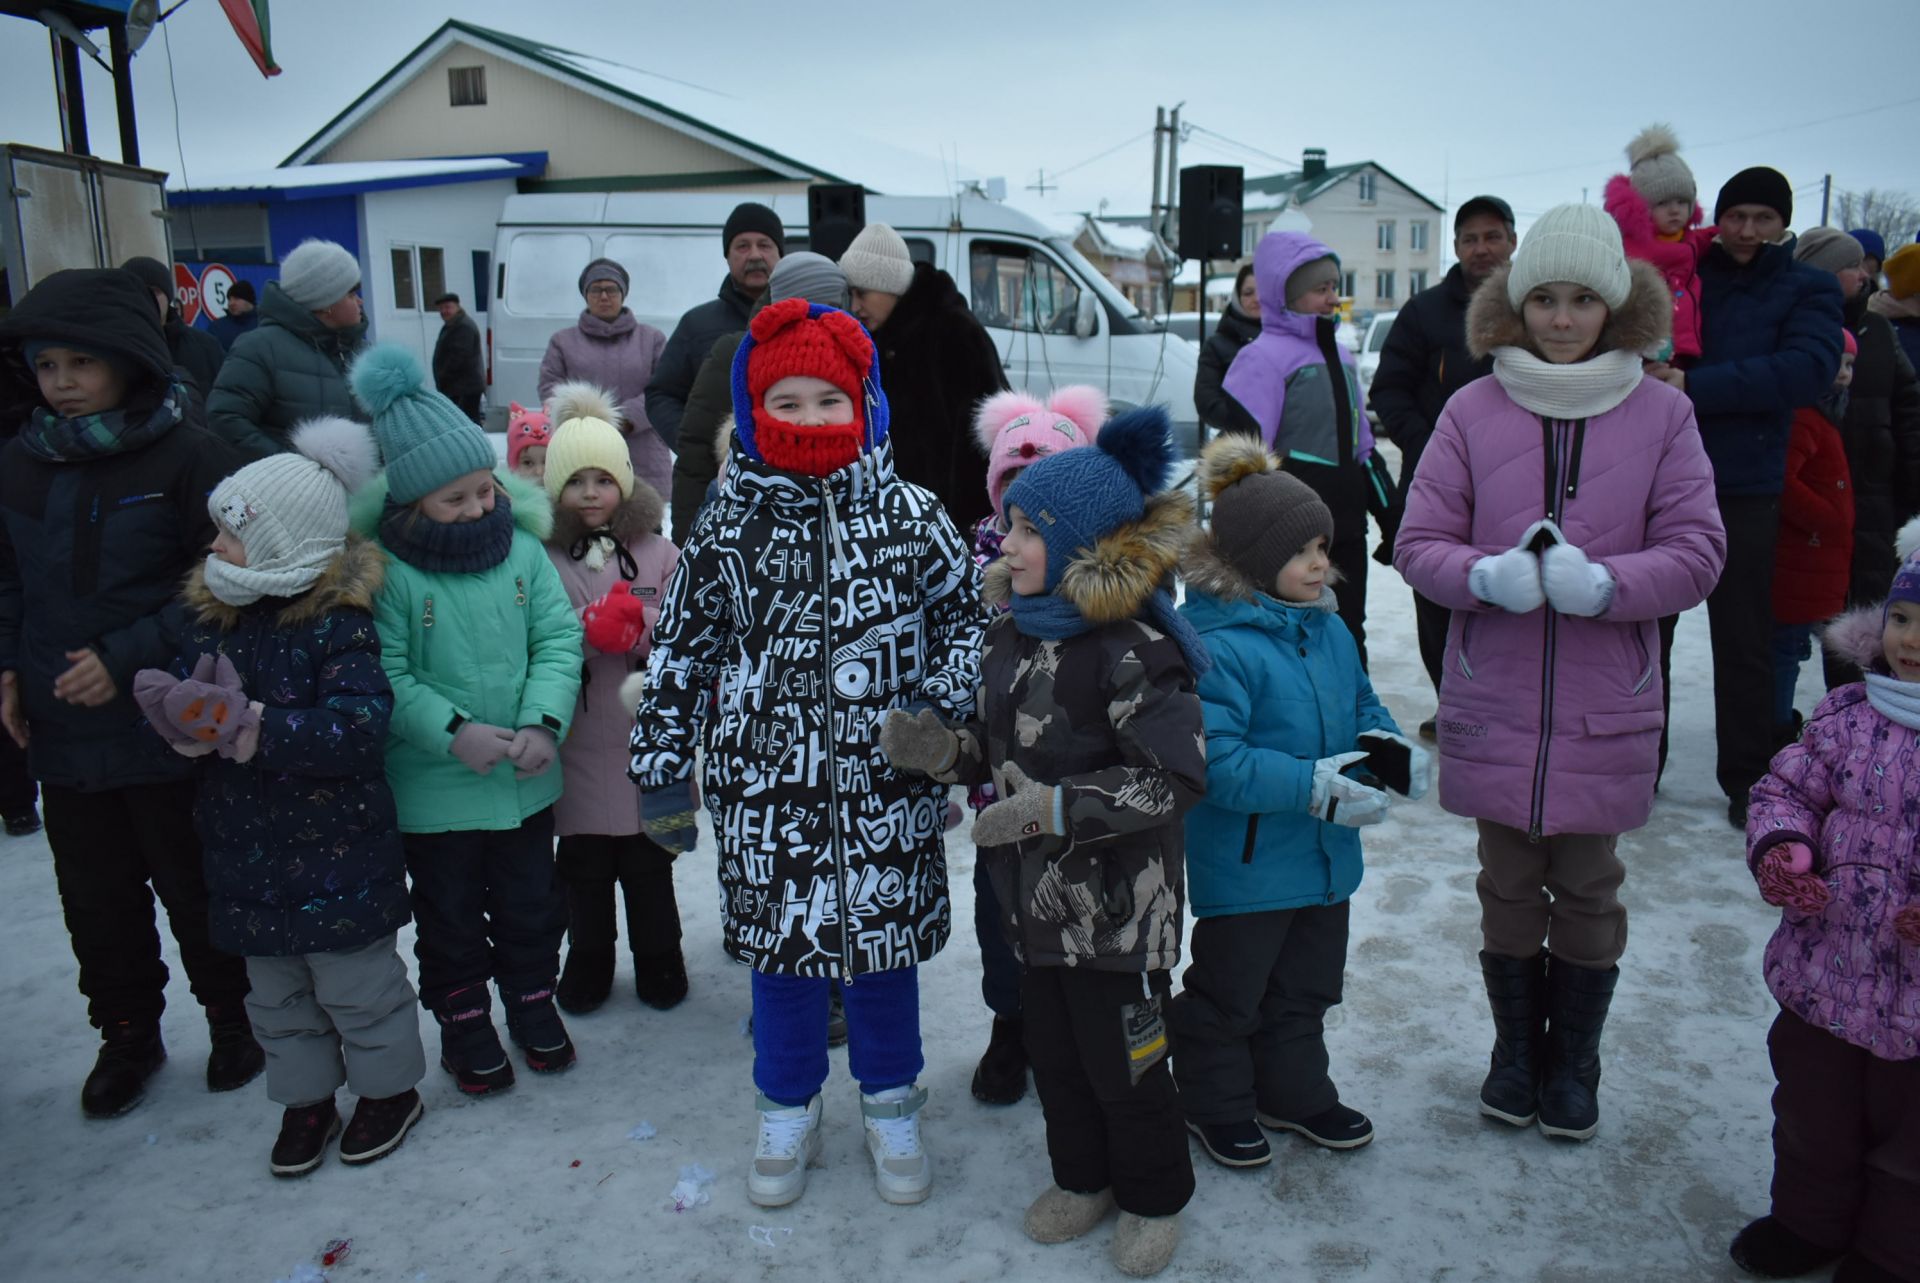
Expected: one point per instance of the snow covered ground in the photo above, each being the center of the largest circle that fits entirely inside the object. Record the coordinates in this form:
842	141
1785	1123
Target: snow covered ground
544	1183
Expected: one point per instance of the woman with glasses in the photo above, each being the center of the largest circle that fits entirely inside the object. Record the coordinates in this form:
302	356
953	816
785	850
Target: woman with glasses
612	350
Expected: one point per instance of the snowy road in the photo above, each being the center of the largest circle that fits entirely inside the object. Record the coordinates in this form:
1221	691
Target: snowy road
545	1184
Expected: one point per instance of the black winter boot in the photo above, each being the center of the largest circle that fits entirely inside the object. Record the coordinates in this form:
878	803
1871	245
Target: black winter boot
129	1055
1517	993
1768	1248
535	1028
1577	1002
1001	1078
470	1047
660	979
236	1058
653	924
587	978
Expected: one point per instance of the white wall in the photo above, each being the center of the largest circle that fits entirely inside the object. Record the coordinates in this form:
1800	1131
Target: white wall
456	218
1350	227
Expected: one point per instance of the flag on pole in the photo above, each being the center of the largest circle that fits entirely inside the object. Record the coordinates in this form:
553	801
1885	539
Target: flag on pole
250	23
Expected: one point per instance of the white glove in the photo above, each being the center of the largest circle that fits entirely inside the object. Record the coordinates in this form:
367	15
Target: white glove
1401	764
1509	580
1339	800
1574	585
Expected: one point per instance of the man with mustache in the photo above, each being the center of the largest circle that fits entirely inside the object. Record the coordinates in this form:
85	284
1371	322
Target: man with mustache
753	241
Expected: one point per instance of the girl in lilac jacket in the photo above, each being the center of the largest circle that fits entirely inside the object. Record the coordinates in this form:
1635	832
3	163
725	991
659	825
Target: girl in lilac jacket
1831	839
1563	505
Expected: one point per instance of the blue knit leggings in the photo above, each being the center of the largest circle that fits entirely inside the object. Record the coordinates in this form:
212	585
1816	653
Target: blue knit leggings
790	1032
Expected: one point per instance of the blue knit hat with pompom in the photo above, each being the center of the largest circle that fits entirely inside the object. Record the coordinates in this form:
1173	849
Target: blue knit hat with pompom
1075	497
425	439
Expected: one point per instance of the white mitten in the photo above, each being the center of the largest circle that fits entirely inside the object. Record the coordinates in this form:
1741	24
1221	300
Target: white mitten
1509	580
1574	585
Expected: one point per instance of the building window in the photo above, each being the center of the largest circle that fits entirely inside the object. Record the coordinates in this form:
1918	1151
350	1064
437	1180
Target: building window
467	86
1416	281
1383	286
1249	237
220	234
1366	187
1383	238
404	298
1417	236
1349	284
433	274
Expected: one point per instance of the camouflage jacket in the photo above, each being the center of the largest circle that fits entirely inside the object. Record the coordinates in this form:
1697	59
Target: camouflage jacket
1111	717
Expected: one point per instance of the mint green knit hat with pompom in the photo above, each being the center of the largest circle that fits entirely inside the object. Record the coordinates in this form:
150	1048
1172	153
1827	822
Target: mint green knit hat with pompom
425	439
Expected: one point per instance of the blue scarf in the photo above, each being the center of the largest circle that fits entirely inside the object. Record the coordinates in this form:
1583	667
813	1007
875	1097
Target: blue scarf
455	548
94	436
1051	616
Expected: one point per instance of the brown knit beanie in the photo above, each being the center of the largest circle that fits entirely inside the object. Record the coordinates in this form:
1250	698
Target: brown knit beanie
1262	517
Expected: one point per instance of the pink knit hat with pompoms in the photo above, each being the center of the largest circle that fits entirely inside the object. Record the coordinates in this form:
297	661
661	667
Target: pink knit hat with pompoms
1016	429
526	428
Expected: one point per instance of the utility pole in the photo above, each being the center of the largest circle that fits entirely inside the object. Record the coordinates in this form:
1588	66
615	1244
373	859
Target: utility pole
1159	165
1826	197
1168	232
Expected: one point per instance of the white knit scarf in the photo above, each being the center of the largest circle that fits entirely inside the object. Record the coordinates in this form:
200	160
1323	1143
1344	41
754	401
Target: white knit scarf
244	585
1578	391
1897	701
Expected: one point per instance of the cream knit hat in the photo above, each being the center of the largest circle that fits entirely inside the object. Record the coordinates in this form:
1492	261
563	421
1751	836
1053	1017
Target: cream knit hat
878	260
1576	243
289	511
586	434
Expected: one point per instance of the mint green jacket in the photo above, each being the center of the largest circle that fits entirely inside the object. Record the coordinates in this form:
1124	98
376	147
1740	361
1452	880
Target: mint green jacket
500	646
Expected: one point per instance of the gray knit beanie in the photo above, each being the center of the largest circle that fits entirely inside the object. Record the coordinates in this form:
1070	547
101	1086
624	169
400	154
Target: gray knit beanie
318	274
813	277
1829	249
1658	173
878	260
1310	276
1575	243
603	269
289	511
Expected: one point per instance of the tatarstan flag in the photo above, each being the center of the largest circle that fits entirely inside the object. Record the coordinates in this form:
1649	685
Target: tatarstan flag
250	23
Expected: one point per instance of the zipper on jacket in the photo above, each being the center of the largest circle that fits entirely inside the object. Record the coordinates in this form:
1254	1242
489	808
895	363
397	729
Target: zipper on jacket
1253	827
1561	480
86	566
426	613
829	536
519	590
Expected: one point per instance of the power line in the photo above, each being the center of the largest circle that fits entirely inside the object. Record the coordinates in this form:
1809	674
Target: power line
1062	173
1283	160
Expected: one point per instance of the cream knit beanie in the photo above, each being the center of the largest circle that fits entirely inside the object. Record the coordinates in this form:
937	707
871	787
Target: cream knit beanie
878	260
1576	243
586	434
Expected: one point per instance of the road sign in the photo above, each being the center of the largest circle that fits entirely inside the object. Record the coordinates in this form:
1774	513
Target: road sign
188	291
215	281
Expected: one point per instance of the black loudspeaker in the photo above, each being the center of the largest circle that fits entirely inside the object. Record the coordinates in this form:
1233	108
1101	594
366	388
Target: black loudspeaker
835	214
1210	211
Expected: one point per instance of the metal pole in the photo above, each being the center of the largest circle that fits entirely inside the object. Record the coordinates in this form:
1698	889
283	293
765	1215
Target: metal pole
1826	195
122	54
1159	169
1171	233
73	98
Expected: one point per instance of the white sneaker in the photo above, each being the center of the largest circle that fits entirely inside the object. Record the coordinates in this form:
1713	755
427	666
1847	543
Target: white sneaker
789	1144
901	1169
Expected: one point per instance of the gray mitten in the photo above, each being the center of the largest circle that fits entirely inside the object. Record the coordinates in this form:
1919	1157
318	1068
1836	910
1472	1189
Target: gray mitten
1030	813
918	742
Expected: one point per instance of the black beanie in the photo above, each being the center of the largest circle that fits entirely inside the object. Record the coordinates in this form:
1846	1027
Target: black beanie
1757	186
152	273
751	216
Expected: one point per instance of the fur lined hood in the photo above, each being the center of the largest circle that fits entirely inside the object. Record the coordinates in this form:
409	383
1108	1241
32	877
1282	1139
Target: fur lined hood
350	582
1113	579
1641	323
637	517
1858	635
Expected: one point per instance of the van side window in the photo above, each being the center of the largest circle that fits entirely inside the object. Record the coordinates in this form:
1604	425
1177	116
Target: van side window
1013	288
543	271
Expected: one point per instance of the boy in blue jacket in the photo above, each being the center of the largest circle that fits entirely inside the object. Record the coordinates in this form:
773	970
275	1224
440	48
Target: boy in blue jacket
1272	851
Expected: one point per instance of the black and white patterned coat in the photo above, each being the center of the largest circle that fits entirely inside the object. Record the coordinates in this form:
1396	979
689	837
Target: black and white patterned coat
803	609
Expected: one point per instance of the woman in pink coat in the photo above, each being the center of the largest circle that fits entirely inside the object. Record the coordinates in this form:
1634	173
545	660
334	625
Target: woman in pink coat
614	564
611	349
1562	507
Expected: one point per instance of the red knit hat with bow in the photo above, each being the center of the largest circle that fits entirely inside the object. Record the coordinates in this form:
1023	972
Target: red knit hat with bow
788	343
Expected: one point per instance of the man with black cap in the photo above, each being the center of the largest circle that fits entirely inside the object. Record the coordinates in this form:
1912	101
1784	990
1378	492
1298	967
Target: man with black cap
1770	344
196	353
242	315
753	241
1426	361
458	372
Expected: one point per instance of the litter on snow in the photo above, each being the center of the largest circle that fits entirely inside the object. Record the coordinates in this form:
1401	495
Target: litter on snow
644	1130
336	1251
769	1235
691	1189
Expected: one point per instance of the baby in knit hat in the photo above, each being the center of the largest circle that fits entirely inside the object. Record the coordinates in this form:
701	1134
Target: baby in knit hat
615	563
1092	735
1273	850
528	432
1656	204
278	688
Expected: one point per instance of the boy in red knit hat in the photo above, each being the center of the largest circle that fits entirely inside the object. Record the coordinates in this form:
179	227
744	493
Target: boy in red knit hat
817	592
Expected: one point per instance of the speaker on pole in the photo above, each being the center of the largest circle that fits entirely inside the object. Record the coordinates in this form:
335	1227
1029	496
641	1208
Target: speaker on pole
1210	211
835	214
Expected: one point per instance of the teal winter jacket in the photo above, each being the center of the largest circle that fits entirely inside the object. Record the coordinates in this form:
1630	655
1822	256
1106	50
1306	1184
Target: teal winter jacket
500	646
1285	690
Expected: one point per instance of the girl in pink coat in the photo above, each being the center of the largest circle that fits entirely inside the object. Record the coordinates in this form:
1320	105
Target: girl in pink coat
1563	505
1656	205
1831	841
614	563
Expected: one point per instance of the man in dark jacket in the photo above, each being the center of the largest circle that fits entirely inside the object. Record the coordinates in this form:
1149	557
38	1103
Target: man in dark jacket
243	314
458	372
103	507
294	367
1239	325
1880	428
937	363
1426	361
1770	344
753	241
195	352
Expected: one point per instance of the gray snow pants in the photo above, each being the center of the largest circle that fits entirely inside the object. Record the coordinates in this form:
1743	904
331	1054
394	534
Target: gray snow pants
1562	891
309	1009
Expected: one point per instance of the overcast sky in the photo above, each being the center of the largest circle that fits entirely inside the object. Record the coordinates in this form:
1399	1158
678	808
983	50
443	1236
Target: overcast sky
1531	101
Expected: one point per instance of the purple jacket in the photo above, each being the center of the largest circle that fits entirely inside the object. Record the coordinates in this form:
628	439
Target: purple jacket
1279	377
618	355
1548	722
1849	790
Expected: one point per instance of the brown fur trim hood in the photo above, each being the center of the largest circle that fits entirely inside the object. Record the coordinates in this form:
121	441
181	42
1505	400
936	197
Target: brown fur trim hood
1113	579
350	582
637	517
1640	324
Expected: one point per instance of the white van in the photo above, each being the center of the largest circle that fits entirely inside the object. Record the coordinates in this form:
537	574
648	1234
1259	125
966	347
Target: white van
1054	317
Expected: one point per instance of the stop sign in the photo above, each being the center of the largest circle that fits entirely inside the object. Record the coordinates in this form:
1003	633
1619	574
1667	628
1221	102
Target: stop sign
188	291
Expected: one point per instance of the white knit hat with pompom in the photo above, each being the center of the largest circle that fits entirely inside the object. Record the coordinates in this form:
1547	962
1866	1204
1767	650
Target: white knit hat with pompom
289	511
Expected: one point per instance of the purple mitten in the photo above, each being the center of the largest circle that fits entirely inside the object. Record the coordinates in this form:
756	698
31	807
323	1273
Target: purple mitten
480	746
209	713
151	686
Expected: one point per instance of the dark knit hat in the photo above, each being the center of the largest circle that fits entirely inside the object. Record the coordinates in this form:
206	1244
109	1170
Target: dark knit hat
751	216
1757	186
603	269
242	289
1484	205
1076	497
1871	242
425	439
1262	517
152	273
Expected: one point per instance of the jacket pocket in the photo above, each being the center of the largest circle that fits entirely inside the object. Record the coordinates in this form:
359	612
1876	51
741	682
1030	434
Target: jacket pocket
1649	661
1253	830
1634	722
1460	660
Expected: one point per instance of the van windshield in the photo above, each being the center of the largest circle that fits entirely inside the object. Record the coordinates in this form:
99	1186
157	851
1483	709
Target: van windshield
1092	275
